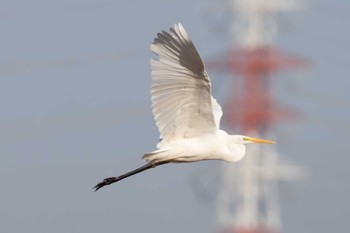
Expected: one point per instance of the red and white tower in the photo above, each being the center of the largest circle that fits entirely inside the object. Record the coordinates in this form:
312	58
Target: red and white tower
248	197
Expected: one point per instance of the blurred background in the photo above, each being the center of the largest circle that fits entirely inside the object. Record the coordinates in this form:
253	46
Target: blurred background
75	108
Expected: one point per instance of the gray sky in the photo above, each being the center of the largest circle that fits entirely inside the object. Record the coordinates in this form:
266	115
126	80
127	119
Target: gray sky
75	109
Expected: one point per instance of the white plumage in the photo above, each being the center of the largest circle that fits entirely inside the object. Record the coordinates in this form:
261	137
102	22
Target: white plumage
181	89
187	116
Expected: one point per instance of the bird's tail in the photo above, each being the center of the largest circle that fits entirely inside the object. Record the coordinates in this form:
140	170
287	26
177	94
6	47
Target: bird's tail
157	155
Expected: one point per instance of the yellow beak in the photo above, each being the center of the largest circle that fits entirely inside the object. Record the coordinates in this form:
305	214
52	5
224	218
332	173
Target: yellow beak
259	140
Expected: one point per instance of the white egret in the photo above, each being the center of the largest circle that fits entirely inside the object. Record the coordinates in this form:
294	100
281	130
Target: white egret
186	114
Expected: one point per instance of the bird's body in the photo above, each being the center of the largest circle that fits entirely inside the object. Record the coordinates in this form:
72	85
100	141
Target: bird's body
215	146
187	115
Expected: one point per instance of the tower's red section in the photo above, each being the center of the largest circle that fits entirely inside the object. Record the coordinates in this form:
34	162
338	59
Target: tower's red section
253	108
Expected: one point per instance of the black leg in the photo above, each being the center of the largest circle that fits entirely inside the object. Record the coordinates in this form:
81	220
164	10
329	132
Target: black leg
112	180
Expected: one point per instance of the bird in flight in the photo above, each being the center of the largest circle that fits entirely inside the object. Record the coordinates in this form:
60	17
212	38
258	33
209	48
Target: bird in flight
187	115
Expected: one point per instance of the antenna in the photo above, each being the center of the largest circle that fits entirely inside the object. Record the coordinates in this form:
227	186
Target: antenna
248	198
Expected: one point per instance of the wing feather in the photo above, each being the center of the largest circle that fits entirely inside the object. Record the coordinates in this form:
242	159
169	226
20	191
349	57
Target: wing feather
182	104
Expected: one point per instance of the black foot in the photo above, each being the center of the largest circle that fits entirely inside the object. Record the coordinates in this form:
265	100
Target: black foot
105	182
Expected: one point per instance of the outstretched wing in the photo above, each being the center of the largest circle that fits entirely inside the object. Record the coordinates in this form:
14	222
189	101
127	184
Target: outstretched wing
181	89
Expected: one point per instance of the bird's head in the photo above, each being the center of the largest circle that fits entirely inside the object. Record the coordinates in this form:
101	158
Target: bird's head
236	145
242	139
